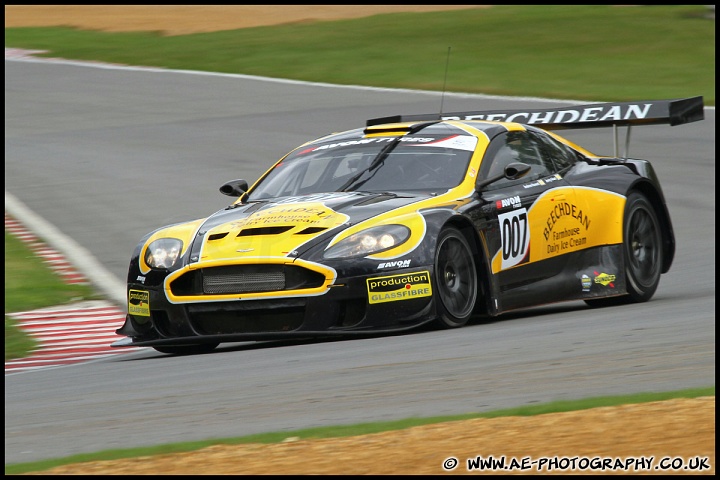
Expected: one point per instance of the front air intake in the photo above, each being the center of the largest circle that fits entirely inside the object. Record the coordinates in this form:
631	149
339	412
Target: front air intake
221	280
240	279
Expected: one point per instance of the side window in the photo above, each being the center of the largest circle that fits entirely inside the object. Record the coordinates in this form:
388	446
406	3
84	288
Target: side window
558	157
516	146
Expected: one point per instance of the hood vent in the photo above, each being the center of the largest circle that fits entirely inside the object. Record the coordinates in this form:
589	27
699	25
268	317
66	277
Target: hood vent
311	230
376	199
249	232
217	236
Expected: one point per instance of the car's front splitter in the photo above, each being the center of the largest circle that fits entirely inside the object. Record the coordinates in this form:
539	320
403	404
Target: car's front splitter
264	336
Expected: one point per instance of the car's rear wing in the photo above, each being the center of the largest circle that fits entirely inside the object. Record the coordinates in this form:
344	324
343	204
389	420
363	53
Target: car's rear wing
596	115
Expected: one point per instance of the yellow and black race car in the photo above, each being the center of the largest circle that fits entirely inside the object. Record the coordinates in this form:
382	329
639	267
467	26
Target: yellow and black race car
412	220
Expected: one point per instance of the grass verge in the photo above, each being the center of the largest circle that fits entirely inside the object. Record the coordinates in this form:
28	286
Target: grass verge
579	52
359	429
30	284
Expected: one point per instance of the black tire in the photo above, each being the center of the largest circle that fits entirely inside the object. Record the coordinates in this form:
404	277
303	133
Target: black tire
188	349
643	252
456	281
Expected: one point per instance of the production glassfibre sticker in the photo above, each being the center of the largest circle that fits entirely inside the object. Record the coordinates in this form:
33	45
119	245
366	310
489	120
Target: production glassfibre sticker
399	287
139	303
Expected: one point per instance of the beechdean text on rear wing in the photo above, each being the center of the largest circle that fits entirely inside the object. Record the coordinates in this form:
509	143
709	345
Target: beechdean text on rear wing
649	112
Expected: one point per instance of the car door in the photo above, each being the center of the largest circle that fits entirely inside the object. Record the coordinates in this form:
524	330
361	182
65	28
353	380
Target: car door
523	214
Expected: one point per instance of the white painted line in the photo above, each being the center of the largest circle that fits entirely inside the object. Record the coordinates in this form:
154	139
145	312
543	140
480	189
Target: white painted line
78	255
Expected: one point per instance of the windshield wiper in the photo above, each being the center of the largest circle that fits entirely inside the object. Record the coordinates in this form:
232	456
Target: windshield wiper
383	154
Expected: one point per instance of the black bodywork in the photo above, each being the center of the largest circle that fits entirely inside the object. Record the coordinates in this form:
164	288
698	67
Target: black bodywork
360	299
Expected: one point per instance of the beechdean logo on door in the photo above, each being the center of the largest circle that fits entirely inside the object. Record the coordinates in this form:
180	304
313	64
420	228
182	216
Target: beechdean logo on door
399	287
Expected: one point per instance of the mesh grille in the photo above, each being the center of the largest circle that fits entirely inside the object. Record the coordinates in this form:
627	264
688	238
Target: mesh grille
218	282
240	279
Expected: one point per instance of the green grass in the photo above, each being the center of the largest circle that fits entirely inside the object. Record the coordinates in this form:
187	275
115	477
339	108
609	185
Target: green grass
31	284
359	429
581	52
18	344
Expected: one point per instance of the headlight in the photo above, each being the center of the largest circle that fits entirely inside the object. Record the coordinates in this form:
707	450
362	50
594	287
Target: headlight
367	242
163	252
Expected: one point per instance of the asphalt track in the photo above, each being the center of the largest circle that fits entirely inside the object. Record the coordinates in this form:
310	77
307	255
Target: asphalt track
103	155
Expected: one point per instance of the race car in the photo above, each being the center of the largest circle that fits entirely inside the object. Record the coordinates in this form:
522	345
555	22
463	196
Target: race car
412	220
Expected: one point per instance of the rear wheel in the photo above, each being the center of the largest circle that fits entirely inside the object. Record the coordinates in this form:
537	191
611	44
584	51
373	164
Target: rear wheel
642	249
456	279
188	349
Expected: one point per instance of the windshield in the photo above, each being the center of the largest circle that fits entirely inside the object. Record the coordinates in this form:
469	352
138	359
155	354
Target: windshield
417	162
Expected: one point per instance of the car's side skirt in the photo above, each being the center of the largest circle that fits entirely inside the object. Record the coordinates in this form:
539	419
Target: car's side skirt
591	273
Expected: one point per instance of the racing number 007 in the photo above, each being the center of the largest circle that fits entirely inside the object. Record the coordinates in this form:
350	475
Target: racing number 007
514	237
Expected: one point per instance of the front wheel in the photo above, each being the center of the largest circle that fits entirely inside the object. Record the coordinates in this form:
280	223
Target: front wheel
456	279
642	251
187	349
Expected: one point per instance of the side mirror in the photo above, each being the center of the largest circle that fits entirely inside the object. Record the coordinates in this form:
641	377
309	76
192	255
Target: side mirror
512	171
234	188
